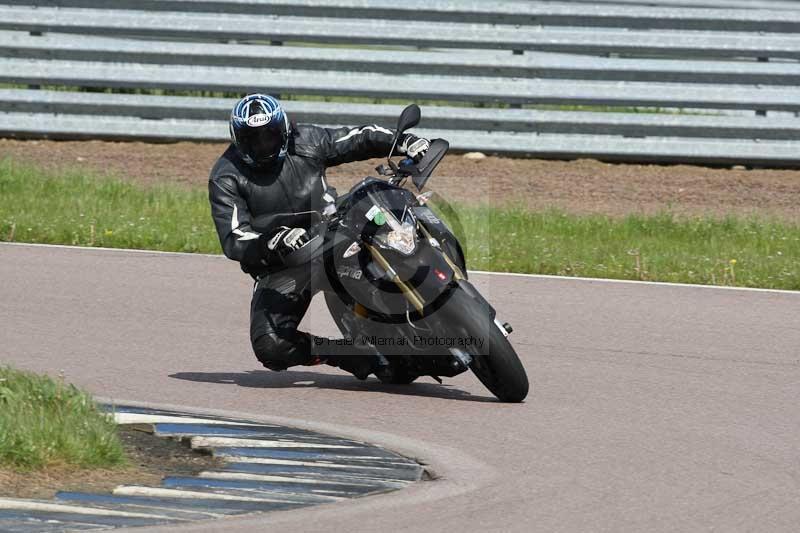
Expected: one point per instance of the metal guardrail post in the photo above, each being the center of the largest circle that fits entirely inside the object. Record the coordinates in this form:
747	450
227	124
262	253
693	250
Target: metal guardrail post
762	112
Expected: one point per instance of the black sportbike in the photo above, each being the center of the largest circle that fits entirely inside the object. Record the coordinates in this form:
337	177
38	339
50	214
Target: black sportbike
401	286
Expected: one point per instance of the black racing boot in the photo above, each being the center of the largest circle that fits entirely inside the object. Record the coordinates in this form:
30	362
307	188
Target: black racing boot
360	366
358	360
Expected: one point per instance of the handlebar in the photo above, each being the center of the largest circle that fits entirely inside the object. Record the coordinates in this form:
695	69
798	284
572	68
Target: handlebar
315	247
419	173
306	254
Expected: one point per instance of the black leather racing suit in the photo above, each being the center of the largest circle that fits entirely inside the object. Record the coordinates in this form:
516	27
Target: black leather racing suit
249	204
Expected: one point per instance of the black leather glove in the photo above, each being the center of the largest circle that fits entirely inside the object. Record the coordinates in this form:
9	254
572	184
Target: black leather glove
413	146
285	241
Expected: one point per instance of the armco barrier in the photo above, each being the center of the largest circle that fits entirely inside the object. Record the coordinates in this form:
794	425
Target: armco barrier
709	81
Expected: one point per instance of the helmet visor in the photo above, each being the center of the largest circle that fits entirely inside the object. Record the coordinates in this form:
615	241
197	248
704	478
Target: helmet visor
264	143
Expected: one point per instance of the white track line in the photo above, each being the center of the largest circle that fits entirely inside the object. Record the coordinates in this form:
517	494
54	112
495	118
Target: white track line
349	478
231	442
268	478
634	282
290	462
181	511
272	432
102	249
154	492
144	418
481	272
11	504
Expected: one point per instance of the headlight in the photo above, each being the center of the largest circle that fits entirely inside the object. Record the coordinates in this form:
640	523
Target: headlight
402	237
404	240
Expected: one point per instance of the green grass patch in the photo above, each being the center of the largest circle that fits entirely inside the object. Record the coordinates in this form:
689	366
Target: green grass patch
78	209
46	422
745	252
84	210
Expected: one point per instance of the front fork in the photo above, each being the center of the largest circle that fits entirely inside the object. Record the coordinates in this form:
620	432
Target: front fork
461	359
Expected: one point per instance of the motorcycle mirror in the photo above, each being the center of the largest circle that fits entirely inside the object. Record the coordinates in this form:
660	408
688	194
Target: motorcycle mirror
408	119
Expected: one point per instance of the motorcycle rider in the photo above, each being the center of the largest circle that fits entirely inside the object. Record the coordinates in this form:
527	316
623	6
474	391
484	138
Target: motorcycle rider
266	191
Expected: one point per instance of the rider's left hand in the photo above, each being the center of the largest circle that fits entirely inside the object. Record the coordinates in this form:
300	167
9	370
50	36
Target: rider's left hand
414	147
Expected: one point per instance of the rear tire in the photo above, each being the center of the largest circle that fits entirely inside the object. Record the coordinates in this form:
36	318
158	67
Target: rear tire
399	376
496	363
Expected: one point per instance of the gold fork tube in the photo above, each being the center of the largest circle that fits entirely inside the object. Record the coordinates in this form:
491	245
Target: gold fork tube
409	292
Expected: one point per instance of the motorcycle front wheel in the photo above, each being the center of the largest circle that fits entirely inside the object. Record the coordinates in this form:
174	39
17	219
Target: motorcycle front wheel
494	362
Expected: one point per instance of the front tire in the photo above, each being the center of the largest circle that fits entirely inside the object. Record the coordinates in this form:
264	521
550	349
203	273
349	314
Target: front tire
495	363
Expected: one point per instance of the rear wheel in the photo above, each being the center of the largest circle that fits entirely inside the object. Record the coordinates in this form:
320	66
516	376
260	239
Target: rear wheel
339	312
494	360
398	376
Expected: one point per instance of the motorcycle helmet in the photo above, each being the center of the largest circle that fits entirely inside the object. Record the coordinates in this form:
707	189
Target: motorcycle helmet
260	129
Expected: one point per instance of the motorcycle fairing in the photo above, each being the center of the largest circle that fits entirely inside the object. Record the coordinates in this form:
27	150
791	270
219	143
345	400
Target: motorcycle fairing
439	231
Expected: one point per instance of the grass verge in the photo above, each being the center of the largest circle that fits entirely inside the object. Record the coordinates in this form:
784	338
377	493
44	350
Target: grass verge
745	252
84	210
75	208
46	423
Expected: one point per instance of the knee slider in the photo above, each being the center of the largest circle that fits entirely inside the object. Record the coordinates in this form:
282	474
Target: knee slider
276	353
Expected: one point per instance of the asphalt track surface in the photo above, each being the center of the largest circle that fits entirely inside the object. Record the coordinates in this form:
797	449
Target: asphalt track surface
653	407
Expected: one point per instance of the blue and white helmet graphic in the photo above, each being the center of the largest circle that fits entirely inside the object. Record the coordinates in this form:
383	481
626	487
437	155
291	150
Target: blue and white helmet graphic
260	129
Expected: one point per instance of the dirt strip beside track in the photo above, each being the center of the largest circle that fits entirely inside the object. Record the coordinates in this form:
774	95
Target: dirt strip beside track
583	186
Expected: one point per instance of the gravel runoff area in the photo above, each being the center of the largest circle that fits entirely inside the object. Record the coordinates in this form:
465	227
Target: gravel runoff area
582	186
